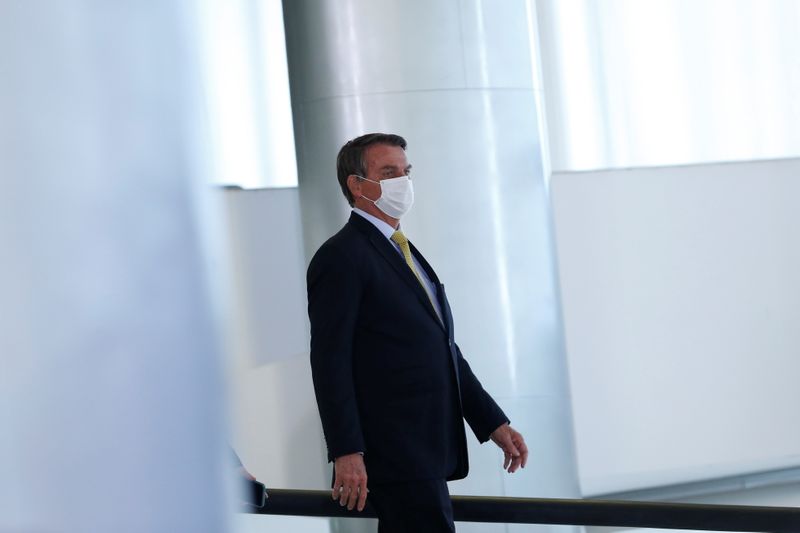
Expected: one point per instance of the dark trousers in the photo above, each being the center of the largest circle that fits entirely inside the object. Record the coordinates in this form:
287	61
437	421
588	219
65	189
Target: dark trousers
413	507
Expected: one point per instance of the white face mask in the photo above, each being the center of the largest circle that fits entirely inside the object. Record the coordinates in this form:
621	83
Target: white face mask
397	196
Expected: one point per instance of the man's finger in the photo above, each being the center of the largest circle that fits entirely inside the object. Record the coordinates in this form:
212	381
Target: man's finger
519	442
343	495
512	453
514	465
353	499
362	497
336	489
511	449
524	450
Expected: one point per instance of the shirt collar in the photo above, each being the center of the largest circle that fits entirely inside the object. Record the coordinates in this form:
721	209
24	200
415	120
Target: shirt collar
382	226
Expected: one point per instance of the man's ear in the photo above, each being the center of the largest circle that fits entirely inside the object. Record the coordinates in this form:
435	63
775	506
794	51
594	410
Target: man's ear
354	185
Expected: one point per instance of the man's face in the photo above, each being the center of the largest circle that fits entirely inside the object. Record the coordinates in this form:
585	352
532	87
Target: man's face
382	162
385	162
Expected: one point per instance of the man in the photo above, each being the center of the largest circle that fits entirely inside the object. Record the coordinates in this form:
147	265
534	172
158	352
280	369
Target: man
391	384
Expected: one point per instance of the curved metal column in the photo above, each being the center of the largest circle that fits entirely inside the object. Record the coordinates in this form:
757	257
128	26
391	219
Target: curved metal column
455	79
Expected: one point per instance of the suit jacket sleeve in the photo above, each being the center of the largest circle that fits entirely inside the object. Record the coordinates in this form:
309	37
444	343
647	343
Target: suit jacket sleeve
480	411
334	295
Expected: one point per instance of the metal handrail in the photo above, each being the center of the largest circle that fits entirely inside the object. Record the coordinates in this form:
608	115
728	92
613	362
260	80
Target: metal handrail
565	512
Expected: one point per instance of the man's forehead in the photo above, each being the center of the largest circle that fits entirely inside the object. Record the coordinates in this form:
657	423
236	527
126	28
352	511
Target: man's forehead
386	156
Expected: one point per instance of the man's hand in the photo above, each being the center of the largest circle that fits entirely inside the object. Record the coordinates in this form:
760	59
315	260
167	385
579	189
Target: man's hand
350	485
513	446
245	474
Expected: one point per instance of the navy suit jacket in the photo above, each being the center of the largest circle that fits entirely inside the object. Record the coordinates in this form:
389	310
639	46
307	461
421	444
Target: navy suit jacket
389	379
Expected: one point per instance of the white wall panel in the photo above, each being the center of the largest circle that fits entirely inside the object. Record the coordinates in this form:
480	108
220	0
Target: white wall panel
680	292
246	92
632	83
277	432
268	273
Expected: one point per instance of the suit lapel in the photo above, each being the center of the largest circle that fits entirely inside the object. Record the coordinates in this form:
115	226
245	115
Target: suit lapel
422	261
444	305
390	254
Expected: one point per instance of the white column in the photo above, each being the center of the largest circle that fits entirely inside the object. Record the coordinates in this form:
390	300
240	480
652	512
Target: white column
456	79
110	393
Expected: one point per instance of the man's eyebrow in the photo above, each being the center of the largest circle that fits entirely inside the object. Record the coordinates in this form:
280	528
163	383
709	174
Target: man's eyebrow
394	167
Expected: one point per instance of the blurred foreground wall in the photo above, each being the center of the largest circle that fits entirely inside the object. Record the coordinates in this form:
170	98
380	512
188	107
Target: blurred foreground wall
110	396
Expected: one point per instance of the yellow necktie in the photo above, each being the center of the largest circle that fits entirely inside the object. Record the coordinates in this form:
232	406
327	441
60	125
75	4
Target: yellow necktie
402	242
